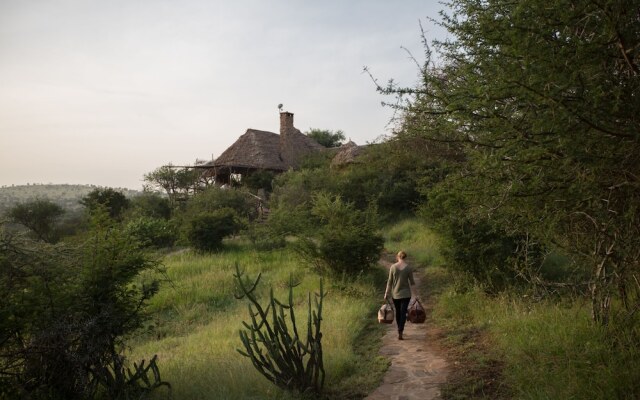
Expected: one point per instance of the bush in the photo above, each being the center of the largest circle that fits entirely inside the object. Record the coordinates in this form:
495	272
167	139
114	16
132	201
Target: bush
346	242
214	198
65	312
114	201
153	232
263	237
40	216
206	231
151	204
259	180
479	246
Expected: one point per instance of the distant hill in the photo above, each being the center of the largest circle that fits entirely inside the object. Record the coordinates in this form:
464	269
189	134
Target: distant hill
67	196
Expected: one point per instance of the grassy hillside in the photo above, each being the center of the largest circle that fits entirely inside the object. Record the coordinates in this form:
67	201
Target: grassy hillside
197	321
67	196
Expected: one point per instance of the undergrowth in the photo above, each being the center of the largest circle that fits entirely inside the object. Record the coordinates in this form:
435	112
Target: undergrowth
510	346
514	345
197	321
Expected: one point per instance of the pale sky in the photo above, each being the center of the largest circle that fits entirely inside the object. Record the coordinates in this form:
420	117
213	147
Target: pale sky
102	92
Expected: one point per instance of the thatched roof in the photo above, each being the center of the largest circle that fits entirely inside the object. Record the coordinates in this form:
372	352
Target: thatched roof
263	150
255	150
347	154
294	145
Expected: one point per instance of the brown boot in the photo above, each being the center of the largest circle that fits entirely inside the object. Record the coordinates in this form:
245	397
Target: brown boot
400	336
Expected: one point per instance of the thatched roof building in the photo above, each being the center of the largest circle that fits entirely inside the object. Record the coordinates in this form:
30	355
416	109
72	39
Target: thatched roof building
261	150
346	154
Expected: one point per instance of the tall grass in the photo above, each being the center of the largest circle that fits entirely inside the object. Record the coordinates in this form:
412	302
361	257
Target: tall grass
514	346
548	349
416	239
197	321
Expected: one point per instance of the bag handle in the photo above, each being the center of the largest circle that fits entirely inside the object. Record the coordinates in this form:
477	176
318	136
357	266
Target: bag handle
390	303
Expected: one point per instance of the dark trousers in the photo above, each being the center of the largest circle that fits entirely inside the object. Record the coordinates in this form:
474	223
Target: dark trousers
401	306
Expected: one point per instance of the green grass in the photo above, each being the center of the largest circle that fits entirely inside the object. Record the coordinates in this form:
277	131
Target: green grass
197	320
511	346
517	348
506	346
416	239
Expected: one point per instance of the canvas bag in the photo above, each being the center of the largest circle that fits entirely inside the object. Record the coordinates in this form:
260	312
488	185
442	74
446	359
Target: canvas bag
385	314
416	313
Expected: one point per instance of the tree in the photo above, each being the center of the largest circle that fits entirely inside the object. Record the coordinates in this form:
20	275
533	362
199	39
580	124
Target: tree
544	101
178	183
65	312
345	239
326	137
40	216
113	201
151	204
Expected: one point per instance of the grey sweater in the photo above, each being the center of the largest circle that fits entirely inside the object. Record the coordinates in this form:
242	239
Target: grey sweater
398	282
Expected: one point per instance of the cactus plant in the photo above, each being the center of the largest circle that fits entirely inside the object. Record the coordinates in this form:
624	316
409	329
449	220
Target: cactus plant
272	342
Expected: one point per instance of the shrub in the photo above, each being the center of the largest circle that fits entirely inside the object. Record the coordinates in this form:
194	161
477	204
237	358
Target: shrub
479	246
259	180
151	204
40	216
114	201
214	198
346	242
206	231
153	232
263	237
65	312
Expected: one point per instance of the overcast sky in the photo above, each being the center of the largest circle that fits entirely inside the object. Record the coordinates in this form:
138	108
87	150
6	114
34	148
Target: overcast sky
101	92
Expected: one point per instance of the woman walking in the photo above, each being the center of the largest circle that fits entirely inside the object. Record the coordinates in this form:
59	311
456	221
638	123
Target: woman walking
400	286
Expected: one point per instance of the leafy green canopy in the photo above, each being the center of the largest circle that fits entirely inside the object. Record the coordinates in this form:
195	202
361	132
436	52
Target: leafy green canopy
65	313
40	216
543	99
112	200
326	137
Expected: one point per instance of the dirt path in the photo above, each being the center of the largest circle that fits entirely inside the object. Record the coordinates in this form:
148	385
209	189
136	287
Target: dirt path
417	367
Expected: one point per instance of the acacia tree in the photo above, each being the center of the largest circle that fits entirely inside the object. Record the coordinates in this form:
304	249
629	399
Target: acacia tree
39	216
544	101
178	183
112	200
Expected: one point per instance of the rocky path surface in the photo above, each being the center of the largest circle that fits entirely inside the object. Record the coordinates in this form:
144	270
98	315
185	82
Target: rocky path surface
417	367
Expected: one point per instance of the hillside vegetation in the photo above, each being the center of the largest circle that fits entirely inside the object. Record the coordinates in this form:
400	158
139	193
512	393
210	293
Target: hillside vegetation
65	195
198	320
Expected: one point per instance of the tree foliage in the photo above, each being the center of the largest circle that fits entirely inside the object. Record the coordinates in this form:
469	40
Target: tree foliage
39	216
345	240
543	100
259	180
152	205
152	232
109	199
65	312
205	231
326	137
178	183
214	198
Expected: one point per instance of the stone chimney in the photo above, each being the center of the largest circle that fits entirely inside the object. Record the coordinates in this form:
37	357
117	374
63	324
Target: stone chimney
286	122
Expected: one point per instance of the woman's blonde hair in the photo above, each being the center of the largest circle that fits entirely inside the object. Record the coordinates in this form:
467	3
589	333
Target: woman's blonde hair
402	255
